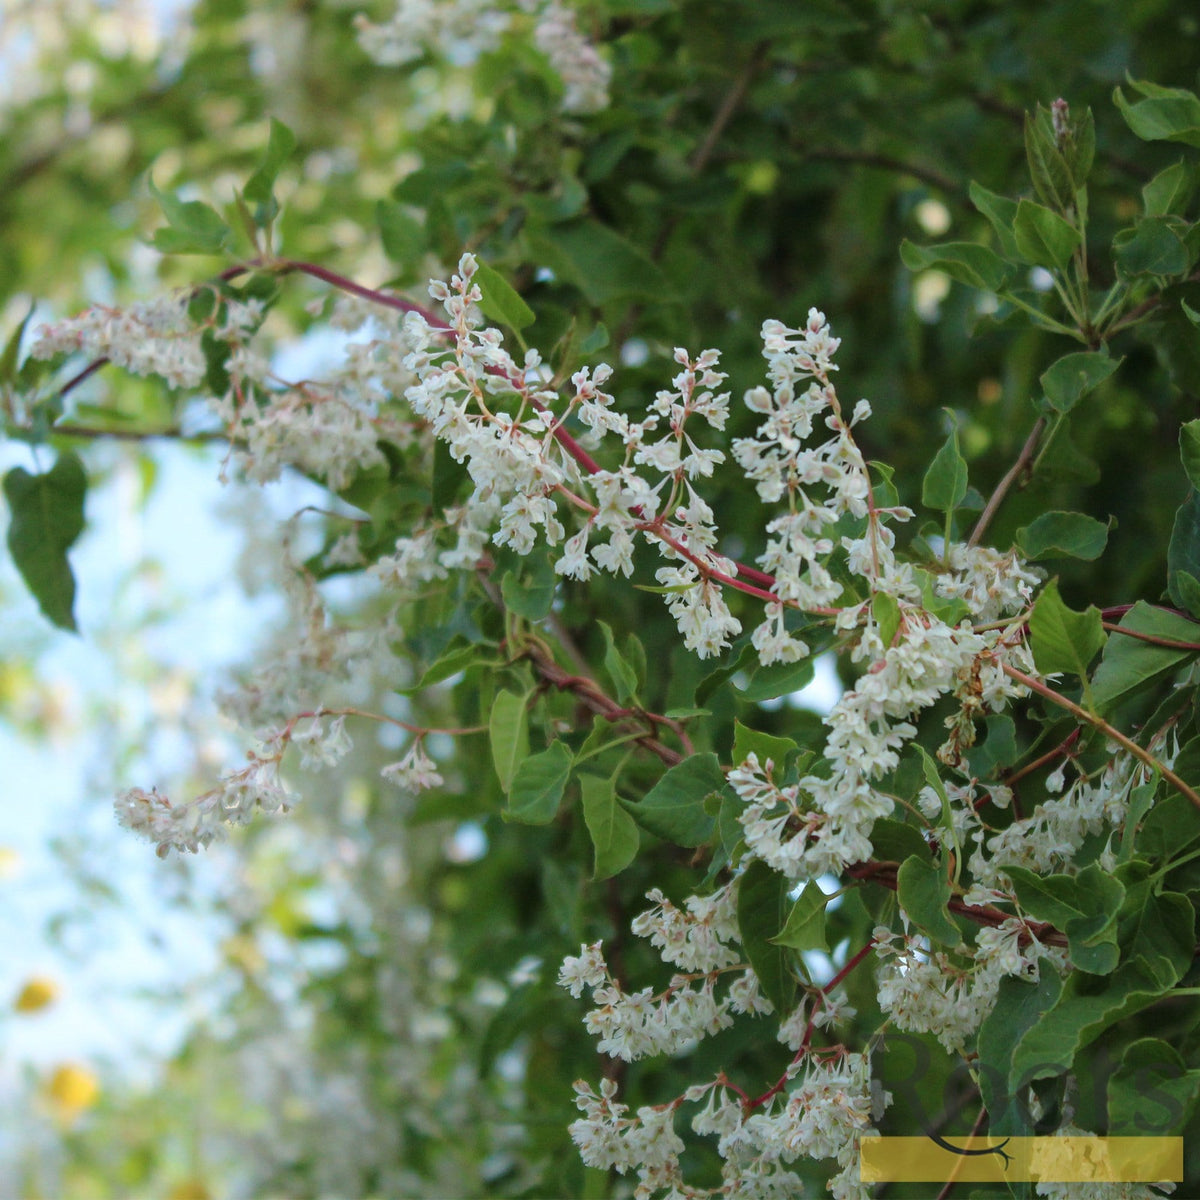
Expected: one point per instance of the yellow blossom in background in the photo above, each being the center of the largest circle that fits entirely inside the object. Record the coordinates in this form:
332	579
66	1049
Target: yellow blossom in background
72	1089
10	862
38	993
189	1189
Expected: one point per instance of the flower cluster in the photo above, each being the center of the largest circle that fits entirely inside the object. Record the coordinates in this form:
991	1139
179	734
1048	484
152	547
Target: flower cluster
642	1024
154	337
928	992
203	820
947	631
821	1113
461	30
1049	838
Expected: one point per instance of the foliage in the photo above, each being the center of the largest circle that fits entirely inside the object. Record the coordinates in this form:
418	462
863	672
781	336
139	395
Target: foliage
585	592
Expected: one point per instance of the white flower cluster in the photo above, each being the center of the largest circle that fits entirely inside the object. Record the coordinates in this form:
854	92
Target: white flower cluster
1049	838
154	337
647	1142
695	940
821	1112
415	772
199	822
461	30
642	1024
783	466
300	669
991	584
577	62
324	431
927	992
818	1109
519	468
1089	1190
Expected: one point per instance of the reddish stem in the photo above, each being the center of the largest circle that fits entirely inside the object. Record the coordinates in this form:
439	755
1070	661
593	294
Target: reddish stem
781	1082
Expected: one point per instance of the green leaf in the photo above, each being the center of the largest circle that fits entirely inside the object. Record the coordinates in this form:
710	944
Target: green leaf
1152	1089
999	750
1049	1047
1168	114
528	587
194	227
1073	376
537	785
451	661
501	302
1079	148
767	746
600	262
624	677
595	341
259	187
613	831
1187	588
1047	167
762	905
976	266
1083	906
1061	639
1183	550
1063	535
46	516
1189	451
739	660
805	925
12	349
1130	663
779	679
1043	237
634	654
1140	800
729	827
924	892
1020	1005
1053	898
1164	934
1001	212
1151	247
894	841
885	608
1171	827
1169	191
403	236
508	728
945	482
674	809
449	476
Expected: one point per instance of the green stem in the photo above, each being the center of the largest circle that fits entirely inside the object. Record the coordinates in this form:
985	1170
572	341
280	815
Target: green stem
1044	322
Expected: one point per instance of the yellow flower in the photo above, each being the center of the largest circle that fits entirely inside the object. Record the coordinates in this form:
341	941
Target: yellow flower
189	1189
71	1089
38	993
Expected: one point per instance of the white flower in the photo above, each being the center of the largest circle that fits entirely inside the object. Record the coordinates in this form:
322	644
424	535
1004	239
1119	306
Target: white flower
415	772
587	969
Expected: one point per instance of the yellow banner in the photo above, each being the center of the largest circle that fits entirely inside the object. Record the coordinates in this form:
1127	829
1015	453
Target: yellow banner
1022	1160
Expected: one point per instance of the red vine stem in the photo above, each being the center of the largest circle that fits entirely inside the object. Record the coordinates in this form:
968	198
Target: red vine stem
1109	732
565	439
1153	639
778	1086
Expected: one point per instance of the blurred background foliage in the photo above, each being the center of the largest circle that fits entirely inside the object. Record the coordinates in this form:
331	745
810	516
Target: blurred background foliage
375	1023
